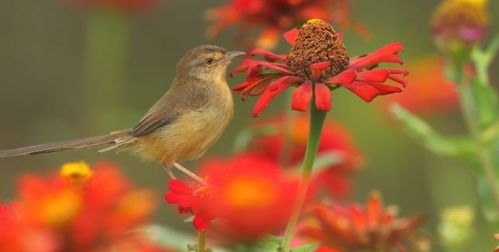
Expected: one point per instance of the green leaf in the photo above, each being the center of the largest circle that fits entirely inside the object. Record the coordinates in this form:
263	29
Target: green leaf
306	248
463	148
486	102
270	243
327	159
488	207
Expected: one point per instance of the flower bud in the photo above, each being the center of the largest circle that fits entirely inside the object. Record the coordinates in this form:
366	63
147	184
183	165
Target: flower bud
455	227
458	24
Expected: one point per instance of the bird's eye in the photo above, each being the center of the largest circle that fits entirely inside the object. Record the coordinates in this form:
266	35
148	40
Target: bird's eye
209	61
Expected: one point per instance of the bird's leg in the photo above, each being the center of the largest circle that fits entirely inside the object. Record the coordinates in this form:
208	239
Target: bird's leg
189	173
168	171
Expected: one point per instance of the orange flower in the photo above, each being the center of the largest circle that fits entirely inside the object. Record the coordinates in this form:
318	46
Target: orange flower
247	195
429	92
276	16
352	227
335	143
79	210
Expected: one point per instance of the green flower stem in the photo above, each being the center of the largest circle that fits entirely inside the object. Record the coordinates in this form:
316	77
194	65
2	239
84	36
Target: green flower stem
202	241
107	43
317	118
468	108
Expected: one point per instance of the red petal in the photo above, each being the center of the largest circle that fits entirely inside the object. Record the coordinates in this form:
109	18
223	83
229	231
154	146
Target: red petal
238	69
201	221
276	66
318	69
384	54
179	187
398	79
385	89
301	97
270	56
380	75
363	90
322	97
345	77
272	91
358	218
291	36
171	197
255	87
253	71
374	210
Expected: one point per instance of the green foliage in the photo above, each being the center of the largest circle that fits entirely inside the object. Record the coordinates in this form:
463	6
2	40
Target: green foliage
457	147
305	248
270	243
489	209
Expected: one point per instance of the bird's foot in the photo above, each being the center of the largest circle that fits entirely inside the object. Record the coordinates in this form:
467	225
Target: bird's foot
189	173
169	171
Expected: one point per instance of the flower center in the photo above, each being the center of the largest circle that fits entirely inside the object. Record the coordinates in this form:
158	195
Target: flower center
249	192
317	42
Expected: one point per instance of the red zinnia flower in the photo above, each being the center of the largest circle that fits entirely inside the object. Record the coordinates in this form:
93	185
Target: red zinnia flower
335	143
79	210
352	227
317	63
327	249
275	16
248	196
430	92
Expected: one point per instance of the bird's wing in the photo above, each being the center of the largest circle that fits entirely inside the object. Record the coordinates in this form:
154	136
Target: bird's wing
151	122
166	111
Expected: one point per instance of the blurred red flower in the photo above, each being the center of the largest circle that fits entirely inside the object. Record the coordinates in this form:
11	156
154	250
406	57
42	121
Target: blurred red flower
430	92
317	64
352	227
327	249
276	16
127	5
335	143
79	210
247	195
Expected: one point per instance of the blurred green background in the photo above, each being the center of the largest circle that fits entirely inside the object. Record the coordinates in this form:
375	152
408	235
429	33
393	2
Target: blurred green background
45	96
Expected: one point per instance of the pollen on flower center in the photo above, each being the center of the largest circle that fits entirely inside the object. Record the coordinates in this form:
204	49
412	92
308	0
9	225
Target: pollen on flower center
317	42
248	192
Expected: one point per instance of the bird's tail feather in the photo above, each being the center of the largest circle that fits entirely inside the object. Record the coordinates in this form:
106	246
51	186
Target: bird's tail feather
66	145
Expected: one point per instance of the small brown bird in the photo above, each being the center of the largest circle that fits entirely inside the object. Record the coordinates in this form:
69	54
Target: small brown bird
187	120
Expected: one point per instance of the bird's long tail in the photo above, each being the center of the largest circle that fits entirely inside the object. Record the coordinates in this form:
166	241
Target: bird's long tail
114	137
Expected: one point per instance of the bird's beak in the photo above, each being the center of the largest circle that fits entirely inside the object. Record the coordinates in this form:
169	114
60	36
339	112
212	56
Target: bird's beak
232	54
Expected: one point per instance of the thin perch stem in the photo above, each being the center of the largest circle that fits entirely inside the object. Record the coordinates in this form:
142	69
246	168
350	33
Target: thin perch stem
317	118
202	241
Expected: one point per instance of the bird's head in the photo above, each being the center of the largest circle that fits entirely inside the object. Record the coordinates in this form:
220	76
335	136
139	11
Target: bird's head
206	62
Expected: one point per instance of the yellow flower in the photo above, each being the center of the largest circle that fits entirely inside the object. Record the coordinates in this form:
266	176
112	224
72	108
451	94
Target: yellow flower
76	172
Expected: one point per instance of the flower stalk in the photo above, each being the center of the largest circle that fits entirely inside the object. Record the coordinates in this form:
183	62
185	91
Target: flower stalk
469	111
202	241
107	44
317	118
